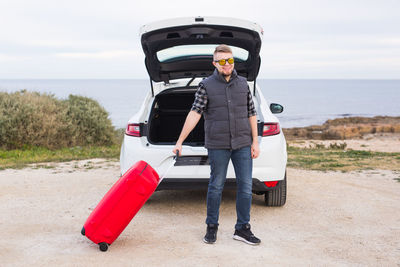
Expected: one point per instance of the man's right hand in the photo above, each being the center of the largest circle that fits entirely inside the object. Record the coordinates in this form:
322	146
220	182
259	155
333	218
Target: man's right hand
178	147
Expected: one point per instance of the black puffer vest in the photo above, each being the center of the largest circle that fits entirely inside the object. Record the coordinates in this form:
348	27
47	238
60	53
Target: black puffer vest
226	122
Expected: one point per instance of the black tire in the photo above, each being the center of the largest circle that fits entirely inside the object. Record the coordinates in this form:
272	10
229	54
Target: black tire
276	197
83	231
103	246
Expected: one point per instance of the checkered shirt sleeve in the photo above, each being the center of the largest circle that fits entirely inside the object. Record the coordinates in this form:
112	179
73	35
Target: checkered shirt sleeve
250	105
201	99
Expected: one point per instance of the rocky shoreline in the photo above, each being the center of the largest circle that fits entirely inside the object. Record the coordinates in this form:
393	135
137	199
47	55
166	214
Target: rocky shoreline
346	128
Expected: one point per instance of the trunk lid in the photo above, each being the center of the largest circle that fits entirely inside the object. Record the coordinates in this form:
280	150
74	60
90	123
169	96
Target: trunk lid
183	47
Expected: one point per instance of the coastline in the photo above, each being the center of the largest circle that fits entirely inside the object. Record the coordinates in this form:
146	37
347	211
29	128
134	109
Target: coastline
306	101
346	128
378	134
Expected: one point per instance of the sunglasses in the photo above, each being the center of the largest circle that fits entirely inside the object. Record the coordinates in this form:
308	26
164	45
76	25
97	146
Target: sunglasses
222	62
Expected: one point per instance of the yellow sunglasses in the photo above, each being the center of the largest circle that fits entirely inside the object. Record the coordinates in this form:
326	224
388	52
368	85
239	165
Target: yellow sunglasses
222	62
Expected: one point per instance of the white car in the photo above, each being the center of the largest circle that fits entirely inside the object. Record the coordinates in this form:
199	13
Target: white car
178	55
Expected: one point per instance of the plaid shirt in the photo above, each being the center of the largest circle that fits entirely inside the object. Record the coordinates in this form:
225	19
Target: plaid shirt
201	100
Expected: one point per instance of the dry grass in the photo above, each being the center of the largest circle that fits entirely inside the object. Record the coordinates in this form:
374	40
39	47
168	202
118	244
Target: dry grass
339	159
18	158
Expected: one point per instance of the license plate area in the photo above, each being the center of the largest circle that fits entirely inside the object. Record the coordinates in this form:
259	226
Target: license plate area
192	161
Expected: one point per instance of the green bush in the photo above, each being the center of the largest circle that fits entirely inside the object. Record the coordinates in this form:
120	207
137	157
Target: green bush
89	122
33	119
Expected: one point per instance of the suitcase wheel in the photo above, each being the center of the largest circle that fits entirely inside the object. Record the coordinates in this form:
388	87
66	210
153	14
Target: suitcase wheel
83	231
103	246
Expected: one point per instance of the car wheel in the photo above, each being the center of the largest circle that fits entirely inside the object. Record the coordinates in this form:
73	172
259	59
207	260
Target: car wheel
277	197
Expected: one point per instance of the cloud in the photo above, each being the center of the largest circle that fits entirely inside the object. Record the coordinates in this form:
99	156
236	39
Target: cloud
298	35
116	54
5	58
394	41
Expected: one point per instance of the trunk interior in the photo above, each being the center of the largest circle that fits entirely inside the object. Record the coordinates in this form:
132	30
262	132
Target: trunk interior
168	115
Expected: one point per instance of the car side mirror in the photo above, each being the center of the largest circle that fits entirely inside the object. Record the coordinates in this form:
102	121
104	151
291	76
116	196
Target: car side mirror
276	108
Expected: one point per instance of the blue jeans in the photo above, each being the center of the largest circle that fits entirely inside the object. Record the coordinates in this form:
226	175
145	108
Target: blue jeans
243	165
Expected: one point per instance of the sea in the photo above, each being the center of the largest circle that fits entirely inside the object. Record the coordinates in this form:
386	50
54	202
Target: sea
306	101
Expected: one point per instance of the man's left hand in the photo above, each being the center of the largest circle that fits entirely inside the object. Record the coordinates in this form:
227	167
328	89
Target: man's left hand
255	150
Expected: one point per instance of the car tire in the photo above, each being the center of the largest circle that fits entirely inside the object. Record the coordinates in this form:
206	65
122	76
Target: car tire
277	197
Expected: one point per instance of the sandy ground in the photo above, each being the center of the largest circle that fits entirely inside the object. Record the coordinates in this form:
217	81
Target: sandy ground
330	219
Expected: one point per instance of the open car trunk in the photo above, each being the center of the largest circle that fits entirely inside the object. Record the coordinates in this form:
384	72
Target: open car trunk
183	47
168	115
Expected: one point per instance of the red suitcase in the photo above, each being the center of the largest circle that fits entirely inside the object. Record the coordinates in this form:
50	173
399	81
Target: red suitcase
120	204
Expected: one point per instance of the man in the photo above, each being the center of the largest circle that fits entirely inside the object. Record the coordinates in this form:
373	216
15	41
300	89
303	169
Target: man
230	127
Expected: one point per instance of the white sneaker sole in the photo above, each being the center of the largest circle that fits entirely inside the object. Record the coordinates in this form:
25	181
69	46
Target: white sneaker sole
239	238
205	241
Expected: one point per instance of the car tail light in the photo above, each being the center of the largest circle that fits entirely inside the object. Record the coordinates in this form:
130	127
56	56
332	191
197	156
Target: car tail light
133	129
271	129
271	183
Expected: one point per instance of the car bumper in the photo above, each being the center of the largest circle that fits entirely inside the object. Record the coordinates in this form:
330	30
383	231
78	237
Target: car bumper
269	166
202	184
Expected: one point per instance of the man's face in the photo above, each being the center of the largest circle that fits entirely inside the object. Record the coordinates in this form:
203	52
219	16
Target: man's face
227	69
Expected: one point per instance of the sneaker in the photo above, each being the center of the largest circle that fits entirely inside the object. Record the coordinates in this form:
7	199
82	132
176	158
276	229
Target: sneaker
211	235
246	235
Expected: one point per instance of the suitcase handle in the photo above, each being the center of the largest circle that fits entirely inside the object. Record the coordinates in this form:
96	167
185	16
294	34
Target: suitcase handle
174	158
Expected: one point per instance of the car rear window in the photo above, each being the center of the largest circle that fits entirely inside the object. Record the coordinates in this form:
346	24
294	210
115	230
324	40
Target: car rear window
181	52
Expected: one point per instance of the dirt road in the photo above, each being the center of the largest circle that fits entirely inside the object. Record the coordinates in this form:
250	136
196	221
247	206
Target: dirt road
329	219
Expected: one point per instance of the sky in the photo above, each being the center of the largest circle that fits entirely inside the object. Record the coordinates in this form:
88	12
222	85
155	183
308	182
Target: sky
303	39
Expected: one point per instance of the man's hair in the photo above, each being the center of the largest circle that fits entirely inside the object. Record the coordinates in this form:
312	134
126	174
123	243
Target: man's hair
222	49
